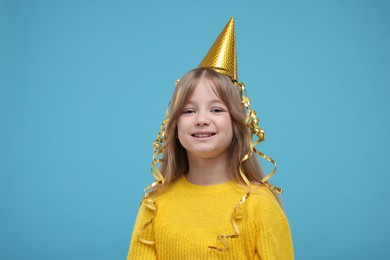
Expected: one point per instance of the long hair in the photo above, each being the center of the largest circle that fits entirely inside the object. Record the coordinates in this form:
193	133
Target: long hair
174	161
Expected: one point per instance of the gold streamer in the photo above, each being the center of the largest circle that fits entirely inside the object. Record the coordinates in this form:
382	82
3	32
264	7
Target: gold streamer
147	224
158	147
253	123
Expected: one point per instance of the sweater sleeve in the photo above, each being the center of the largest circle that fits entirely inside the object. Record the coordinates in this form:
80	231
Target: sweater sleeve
274	240
139	250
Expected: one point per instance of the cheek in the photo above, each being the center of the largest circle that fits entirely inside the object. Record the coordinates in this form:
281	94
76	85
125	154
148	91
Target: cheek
181	134
180	128
229	125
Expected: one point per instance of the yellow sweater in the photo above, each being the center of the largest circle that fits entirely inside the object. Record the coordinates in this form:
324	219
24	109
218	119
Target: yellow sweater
189	218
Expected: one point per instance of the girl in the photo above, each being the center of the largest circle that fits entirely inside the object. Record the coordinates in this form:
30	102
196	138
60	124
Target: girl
210	199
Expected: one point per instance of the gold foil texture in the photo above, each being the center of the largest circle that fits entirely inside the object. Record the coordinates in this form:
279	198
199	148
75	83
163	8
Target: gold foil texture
222	55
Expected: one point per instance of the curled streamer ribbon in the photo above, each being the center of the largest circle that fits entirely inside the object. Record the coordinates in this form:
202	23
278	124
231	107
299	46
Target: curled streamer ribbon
252	121
158	147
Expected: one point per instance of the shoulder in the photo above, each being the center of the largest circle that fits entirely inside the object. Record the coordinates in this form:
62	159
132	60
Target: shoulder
167	191
260	193
264	203
270	224
261	190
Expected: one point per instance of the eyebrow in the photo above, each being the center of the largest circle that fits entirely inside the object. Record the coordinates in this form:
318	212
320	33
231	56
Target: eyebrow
211	102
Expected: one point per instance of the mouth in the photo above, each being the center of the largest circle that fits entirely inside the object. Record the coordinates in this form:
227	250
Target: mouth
202	135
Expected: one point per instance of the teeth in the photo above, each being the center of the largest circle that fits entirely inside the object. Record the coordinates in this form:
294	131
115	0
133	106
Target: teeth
202	135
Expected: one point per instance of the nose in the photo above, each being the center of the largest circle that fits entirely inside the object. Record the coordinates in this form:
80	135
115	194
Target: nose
202	119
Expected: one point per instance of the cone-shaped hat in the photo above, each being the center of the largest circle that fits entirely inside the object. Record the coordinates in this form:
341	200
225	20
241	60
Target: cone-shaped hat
222	55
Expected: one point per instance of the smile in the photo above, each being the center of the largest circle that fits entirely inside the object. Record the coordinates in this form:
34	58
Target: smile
203	135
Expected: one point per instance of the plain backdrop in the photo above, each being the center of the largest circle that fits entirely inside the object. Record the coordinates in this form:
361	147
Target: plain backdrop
84	86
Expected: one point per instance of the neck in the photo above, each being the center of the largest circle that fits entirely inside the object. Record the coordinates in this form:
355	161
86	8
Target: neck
207	171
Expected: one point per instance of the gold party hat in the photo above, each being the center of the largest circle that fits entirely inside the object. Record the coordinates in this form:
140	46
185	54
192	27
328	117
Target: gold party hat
222	55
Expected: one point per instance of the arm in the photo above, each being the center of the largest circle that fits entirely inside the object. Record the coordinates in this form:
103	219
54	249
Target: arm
139	250
273	232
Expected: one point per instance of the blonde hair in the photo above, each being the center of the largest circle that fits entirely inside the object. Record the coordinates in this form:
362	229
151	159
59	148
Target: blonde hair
174	161
242	166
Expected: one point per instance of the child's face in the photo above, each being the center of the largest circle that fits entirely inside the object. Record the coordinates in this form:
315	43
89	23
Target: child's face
205	127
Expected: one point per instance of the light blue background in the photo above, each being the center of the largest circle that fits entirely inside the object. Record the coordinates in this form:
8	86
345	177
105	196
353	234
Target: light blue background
85	84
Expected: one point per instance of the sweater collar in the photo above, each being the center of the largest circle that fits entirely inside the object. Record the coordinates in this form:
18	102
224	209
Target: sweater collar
183	183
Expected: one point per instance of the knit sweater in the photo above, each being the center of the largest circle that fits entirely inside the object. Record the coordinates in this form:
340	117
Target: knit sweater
189	218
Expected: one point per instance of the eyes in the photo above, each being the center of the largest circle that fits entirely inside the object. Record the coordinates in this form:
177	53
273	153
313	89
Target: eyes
217	110
214	110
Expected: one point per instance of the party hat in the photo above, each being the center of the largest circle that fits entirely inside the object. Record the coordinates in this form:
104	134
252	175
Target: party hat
222	55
